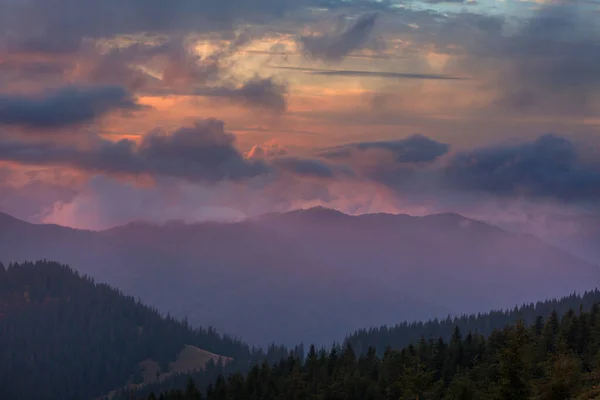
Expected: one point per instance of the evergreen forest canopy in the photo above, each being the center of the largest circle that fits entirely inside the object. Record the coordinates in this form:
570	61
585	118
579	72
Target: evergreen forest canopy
77	339
403	334
553	359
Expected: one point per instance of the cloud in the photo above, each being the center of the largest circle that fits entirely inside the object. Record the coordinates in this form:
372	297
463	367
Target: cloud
66	106
546	64
414	149
551	167
176	62
335	46
202	152
549	170
182	70
554	67
42	44
262	93
31	200
471	2
68	21
24	69
28	193
369	74
266	151
120	65
94	206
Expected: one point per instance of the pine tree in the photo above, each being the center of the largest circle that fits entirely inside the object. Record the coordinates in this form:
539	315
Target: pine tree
564	377
191	392
514	372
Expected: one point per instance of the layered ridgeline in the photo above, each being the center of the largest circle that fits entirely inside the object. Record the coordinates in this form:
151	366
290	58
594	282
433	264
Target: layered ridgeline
554	359
310	275
63	337
405	333
76	339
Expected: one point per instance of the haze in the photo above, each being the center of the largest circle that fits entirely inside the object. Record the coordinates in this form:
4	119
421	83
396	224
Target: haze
482	117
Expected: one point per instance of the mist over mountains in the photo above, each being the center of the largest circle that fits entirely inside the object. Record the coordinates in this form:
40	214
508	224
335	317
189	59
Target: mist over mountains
310	275
577	233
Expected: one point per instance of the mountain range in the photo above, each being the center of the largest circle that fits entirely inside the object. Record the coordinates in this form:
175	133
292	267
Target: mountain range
310	275
576	233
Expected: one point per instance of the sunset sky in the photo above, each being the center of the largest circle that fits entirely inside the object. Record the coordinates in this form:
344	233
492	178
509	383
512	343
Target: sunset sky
120	110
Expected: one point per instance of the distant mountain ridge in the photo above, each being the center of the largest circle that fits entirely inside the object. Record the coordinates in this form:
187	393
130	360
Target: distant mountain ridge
578	233
311	275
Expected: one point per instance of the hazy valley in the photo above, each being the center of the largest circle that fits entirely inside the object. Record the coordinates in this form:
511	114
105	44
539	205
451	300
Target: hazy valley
312	275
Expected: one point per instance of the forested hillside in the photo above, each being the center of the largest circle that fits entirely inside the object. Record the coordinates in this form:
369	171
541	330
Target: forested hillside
62	336
405	333
77	339
552	359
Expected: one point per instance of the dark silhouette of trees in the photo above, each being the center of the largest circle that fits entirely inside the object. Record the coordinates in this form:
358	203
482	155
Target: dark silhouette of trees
63	336
512	363
405	333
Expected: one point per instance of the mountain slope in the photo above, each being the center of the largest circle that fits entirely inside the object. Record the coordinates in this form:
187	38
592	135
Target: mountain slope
64	337
555	359
403	334
446	258
312	275
578	233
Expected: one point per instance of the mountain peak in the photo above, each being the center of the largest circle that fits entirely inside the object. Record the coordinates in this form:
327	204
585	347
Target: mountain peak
312	212
449	216
320	211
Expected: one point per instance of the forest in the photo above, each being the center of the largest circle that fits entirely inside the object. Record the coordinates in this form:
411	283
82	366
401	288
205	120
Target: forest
78	339
552	359
405	333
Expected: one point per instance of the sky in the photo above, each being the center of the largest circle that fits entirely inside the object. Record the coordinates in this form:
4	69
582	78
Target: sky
121	110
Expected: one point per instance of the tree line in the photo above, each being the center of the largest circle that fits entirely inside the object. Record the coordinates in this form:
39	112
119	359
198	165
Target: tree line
404	333
551	359
64	336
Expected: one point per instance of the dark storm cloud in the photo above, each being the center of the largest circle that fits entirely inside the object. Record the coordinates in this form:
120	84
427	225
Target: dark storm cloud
63	107
335	46
44	44
556	64
203	152
414	149
70	20
369	74
256	93
31	69
547	64
551	166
